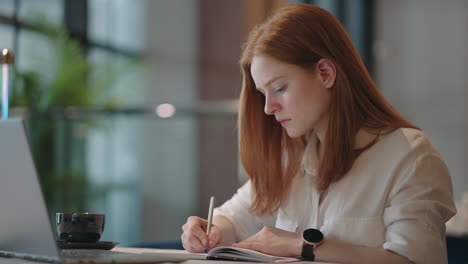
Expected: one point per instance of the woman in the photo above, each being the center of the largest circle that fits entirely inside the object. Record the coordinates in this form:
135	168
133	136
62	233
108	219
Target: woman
335	173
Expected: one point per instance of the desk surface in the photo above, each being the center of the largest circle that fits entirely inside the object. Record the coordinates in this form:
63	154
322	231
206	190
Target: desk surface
140	250
151	250
22	261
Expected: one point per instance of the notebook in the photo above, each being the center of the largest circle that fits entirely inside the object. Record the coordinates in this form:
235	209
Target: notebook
242	254
25	228
218	253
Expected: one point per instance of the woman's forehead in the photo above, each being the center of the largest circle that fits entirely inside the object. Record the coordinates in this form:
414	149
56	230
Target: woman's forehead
264	68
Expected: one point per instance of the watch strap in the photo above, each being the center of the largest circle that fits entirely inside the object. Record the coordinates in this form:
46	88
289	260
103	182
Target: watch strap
307	252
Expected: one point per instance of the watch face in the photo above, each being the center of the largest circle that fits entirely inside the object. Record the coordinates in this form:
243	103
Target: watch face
312	235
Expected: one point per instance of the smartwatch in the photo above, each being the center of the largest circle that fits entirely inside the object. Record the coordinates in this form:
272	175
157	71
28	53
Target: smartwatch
311	238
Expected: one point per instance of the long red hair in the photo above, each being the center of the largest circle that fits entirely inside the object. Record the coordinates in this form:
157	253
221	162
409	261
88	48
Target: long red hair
301	35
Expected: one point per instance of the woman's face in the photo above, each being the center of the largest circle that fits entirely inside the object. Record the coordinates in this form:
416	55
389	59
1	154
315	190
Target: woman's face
298	98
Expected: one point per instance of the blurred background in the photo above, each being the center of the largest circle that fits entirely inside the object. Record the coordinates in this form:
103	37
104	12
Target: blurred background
131	105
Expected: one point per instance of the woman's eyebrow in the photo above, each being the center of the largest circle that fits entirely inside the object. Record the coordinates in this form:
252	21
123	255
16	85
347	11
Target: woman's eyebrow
270	82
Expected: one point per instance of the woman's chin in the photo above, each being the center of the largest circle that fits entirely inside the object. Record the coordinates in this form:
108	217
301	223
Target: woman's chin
294	134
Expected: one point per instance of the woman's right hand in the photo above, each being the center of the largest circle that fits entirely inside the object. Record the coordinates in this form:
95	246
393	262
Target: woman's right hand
194	238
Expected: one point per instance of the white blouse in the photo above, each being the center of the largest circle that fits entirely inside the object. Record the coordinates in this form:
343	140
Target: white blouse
397	195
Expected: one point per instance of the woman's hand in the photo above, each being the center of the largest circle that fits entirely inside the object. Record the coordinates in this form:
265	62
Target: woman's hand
274	241
194	238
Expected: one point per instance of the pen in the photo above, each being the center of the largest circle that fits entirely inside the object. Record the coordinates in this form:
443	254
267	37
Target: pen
210	218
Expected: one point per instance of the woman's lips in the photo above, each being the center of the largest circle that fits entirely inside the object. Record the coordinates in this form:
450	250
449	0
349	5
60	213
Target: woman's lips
284	121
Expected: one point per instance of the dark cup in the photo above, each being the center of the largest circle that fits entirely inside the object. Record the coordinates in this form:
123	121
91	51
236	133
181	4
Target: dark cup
80	227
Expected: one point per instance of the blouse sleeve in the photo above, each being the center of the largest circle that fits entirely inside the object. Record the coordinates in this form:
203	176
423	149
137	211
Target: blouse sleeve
419	204
236	210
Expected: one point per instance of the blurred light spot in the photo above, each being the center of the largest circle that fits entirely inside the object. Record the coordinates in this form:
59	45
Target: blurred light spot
165	110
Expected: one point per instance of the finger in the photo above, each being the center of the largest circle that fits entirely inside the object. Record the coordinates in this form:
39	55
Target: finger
214	238
188	238
185	243
195	244
191	239
195	220
193	228
199	234
197	241
183	239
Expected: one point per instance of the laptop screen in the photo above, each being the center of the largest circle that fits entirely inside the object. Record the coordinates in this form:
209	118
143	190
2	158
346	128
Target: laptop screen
24	222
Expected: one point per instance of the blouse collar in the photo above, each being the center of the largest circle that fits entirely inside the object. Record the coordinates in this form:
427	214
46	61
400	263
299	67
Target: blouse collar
309	163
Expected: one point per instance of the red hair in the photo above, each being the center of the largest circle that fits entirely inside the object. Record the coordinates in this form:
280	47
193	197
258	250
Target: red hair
301	35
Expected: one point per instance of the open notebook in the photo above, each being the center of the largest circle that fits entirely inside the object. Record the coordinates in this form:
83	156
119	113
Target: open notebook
242	254
218	253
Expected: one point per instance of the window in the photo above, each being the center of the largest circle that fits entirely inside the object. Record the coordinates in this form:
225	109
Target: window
356	16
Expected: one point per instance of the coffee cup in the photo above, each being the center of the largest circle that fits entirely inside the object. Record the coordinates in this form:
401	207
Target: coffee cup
80	227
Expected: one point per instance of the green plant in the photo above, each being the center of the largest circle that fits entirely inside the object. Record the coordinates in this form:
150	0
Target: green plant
65	79
54	83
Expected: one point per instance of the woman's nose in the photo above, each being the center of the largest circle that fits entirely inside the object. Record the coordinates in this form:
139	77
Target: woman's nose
271	106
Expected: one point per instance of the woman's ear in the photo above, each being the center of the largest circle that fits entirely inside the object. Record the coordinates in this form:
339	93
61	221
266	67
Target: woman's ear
327	72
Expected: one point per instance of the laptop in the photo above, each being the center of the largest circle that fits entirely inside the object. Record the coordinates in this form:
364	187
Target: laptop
25	227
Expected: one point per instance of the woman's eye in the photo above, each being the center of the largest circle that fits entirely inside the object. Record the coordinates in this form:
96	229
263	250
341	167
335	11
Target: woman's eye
280	90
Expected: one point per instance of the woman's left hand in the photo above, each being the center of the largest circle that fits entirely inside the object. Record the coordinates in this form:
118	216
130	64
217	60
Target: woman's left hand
274	241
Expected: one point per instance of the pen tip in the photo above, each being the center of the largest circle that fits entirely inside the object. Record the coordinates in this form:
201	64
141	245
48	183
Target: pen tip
206	251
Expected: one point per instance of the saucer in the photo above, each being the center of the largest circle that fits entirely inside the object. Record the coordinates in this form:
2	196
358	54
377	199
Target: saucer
106	245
